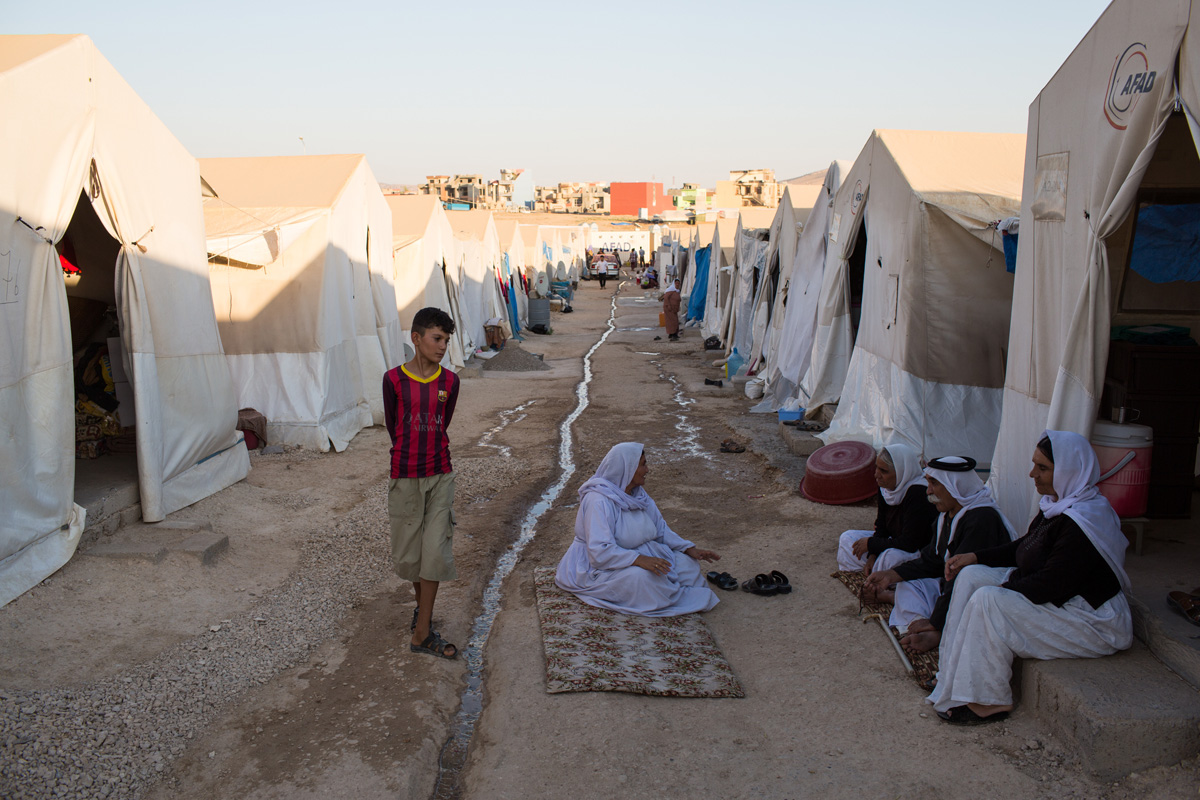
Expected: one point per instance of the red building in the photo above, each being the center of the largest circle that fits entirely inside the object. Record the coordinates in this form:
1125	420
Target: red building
625	199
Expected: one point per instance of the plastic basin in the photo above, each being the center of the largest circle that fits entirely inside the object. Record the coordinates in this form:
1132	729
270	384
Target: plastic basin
840	473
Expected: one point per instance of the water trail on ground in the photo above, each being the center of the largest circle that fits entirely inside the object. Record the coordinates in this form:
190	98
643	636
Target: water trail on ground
454	752
688	440
505	418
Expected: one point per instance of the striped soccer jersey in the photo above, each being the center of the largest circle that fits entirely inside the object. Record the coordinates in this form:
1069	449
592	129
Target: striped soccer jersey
417	413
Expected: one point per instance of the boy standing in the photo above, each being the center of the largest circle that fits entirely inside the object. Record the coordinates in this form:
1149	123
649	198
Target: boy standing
418	401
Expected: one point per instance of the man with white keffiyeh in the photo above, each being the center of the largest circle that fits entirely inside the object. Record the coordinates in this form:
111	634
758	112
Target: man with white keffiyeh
1057	592
969	520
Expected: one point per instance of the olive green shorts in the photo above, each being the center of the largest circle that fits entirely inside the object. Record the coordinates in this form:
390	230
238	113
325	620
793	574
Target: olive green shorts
421	511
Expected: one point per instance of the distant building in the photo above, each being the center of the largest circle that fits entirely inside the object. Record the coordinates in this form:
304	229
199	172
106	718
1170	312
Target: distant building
461	189
756	187
628	199
514	190
573	198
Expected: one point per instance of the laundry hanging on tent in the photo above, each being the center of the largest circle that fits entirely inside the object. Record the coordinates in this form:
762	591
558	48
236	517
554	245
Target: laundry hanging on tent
1009	228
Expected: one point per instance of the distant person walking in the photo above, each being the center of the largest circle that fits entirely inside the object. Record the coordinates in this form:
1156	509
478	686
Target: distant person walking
600	269
671	302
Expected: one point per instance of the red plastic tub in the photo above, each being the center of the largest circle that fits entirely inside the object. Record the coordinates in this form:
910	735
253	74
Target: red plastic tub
840	473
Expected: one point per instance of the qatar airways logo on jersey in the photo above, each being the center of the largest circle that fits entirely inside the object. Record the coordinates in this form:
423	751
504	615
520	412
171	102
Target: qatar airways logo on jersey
423	422
1130	79
856	198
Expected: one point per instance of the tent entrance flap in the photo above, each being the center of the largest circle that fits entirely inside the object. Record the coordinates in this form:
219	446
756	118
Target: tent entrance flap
103	391
1153	366
856	273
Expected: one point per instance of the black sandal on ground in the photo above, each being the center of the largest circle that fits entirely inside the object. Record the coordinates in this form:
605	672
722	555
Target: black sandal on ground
782	585
723	579
435	645
963	715
760	584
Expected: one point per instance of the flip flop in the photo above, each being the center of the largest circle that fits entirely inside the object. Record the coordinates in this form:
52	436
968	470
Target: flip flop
731	446
1186	604
782	585
723	579
962	715
760	584
435	645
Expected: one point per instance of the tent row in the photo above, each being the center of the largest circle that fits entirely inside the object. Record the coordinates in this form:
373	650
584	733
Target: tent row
148	296
897	311
882	291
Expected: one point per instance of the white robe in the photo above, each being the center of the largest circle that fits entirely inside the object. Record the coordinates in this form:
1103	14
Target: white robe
598	566
988	625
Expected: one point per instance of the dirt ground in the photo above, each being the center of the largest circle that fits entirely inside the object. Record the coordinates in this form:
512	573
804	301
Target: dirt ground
301	684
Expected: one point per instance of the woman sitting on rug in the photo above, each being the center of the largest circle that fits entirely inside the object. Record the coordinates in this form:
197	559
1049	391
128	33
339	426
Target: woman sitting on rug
905	520
1056	592
624	556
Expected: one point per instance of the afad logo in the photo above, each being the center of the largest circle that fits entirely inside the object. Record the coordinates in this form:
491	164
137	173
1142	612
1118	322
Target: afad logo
1131	78
856	198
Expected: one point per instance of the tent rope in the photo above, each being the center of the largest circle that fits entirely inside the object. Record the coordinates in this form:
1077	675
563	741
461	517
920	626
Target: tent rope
39	231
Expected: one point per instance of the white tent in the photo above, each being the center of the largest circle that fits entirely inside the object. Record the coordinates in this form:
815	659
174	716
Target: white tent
86	163
1105	148
794	207
748	274
794	321
720	277
424	247
480	258
301	266
916	305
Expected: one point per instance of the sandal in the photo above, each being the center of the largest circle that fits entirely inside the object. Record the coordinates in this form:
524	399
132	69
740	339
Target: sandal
731	446
723	579
962	715
413	626
1186	604
435	645
782	585
760	584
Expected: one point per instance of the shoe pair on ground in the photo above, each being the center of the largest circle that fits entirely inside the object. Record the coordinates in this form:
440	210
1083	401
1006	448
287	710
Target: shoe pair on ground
774	583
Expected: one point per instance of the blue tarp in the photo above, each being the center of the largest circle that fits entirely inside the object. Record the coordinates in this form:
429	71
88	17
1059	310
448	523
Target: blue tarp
1166	243
695	309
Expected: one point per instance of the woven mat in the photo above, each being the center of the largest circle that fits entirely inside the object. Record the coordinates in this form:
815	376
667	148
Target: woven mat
591	649
925	665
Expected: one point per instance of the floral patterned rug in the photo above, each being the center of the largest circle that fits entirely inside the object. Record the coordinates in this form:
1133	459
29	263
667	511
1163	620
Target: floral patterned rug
591	649
925	665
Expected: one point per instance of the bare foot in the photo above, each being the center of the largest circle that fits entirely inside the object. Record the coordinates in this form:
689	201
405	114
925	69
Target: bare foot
986	711
886	596
921	642
920	626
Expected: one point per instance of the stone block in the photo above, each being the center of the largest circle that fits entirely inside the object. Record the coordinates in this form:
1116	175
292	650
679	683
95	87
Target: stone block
1124	712
205	546
800	443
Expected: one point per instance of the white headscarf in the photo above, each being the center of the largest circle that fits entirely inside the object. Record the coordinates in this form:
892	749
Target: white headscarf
1075	473
906	461
670	288
969	491
614	474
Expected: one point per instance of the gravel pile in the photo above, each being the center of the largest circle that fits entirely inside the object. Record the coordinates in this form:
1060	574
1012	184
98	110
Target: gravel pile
112	739
513	359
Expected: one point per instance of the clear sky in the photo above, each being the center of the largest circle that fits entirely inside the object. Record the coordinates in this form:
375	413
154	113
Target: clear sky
670	91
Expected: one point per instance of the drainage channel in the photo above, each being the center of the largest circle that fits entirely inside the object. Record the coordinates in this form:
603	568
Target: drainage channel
689	434
504	451
454	752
